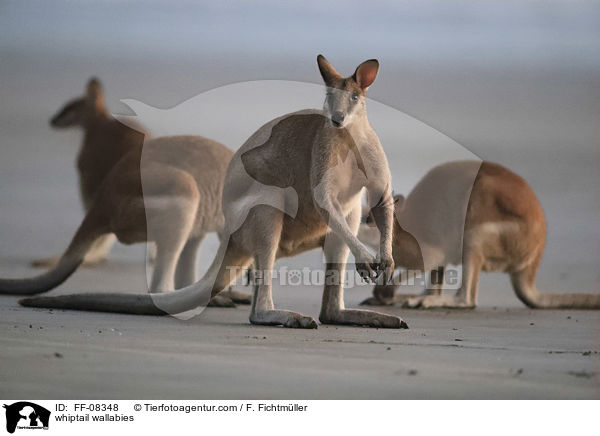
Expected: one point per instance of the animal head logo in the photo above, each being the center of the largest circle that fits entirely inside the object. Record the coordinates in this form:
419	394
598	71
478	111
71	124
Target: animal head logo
26	415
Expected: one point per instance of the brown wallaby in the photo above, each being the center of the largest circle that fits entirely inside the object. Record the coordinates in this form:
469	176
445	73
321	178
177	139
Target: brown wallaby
182	179
504	230
295	185
105	142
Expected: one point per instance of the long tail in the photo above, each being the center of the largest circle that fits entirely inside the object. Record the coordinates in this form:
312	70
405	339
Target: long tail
532	297
224	269
114	303
84	238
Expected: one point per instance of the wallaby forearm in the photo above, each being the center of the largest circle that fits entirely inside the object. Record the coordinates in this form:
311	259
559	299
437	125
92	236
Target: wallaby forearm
337	222
383	215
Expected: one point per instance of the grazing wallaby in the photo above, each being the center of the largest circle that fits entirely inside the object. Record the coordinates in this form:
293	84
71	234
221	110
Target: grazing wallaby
294	185
105	142
182	180
504	230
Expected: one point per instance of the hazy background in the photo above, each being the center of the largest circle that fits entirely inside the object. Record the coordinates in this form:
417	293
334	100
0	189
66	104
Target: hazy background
516	82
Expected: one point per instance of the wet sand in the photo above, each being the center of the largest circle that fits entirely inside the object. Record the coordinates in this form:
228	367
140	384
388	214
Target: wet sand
485	353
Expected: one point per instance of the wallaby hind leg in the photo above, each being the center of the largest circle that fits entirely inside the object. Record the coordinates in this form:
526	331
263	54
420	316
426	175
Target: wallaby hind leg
169	225
185	273
265	244
332	306
167	255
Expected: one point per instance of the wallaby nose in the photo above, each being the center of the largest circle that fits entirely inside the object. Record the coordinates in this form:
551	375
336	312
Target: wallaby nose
337	118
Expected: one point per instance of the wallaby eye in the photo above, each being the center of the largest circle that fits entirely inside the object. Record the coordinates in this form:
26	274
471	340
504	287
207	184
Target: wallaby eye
354	97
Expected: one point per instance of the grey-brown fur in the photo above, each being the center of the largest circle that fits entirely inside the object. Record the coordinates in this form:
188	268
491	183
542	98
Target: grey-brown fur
169	194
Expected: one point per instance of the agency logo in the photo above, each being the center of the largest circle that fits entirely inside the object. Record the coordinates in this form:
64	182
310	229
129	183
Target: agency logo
27	416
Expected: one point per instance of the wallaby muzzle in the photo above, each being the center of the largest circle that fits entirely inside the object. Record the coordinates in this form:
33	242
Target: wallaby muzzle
337	118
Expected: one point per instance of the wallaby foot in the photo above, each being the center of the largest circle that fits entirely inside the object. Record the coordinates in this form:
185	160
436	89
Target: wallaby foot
237	297
230	298
437	301
221	301
284	318
367	318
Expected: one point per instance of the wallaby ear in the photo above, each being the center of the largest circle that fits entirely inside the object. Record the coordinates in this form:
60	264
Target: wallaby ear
94	89
327	71
399	202
366	73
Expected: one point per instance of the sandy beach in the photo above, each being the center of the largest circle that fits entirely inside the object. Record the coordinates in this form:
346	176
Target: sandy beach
499	350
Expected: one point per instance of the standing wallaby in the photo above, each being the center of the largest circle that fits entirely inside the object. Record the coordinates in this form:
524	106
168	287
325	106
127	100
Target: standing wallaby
295	185
504	230
105	142
170	195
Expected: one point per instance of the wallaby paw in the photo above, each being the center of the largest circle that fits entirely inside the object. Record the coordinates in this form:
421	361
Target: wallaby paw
367	271
220	301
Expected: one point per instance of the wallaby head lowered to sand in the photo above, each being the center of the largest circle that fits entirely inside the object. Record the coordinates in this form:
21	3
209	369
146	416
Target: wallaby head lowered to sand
503	229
